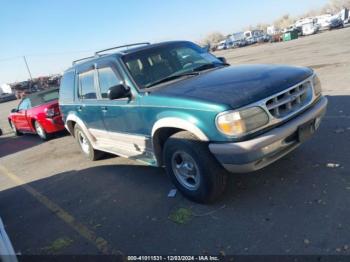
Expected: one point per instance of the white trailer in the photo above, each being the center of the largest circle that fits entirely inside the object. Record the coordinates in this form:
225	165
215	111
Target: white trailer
5	89
324	21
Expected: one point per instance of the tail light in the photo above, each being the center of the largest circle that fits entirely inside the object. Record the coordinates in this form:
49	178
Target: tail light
52	111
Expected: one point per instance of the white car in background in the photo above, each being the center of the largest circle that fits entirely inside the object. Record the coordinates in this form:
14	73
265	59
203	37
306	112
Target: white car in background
222	45
324	21
309	29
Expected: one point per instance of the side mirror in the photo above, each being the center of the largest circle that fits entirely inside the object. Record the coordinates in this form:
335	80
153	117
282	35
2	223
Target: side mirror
118	91
15	110
223	59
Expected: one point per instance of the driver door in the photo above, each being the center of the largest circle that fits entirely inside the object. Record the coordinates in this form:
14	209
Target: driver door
20	117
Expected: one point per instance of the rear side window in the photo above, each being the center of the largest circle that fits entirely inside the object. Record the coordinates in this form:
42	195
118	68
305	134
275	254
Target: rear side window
87	85
107	78
67	87
25	104
44	97
50	96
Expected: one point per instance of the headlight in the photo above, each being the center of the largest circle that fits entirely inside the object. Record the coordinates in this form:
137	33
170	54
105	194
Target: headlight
241	122
317	85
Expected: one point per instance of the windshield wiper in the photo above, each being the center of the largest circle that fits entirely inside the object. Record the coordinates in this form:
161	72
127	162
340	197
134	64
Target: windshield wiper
207	66
171	77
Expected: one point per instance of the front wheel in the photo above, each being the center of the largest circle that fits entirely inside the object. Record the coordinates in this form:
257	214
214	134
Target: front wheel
85	145
14	129
193	169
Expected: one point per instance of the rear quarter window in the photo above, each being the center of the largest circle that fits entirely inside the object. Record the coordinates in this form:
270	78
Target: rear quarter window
67	88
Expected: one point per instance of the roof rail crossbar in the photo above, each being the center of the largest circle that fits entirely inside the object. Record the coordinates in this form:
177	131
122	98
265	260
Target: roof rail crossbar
82	59
122	46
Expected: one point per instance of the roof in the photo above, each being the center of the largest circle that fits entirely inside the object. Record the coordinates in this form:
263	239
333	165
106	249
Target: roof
126	51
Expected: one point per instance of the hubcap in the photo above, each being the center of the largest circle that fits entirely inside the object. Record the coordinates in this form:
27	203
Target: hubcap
84	144
186	170
39	129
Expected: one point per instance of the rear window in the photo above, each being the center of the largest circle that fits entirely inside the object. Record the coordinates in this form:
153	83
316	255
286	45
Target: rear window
45	97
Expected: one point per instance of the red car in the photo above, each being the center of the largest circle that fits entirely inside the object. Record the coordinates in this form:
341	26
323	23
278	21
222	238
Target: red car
38	113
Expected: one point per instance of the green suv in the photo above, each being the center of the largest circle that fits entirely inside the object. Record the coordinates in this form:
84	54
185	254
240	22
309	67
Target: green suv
176	106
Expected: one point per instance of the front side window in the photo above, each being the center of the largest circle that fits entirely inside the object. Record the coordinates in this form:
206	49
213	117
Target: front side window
150	66
107	78
87	85
25	104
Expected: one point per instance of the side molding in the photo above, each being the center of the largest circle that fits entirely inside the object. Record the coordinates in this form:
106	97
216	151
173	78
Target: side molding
179	123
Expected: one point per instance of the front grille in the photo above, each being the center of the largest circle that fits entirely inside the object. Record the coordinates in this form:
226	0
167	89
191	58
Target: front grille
290	101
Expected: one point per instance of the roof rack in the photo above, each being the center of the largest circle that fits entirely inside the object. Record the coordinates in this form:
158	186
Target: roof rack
97	54
82	59
122	46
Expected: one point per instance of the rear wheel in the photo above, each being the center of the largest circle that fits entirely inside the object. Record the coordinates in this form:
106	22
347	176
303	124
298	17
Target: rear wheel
193	169
14	129
41	131
85	145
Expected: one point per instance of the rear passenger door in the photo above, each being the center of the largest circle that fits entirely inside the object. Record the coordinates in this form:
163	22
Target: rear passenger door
89	108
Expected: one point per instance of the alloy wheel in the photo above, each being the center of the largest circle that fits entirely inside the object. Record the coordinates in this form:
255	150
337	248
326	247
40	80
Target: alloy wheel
186	170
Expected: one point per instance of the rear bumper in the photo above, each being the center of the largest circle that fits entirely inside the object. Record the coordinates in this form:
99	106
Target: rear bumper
254	154
52	125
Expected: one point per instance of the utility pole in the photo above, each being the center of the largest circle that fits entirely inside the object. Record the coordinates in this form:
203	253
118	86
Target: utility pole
25	61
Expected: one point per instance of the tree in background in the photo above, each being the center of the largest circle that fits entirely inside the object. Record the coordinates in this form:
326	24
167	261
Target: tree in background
335	6
284	21
212	38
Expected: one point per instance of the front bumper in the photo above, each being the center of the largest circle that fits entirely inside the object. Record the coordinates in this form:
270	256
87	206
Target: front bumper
254	154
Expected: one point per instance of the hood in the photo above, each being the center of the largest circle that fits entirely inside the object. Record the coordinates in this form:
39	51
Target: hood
236	86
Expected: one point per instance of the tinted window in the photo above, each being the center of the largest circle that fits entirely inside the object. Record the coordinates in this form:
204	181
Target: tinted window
107	78
25	104
67	87
87	85
43	97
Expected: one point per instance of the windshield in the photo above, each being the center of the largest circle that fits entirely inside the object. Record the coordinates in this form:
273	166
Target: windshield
151	66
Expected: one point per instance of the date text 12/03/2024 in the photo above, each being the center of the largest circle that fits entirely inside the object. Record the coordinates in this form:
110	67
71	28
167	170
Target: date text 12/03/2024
173	258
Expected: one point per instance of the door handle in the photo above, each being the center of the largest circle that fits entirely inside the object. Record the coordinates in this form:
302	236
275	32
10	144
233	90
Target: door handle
79	108
104	108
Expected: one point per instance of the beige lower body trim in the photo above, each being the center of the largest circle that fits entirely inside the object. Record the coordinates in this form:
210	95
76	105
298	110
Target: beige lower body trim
131	146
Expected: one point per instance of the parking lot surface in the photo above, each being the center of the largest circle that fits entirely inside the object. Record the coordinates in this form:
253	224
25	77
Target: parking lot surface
54	201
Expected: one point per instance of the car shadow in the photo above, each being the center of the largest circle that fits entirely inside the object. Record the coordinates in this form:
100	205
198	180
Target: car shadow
10	144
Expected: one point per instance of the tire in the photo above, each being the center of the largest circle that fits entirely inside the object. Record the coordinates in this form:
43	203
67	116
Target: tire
14	129
193	169
85	145
40	131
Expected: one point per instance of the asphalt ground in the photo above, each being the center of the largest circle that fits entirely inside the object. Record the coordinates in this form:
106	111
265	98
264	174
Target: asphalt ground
54	201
